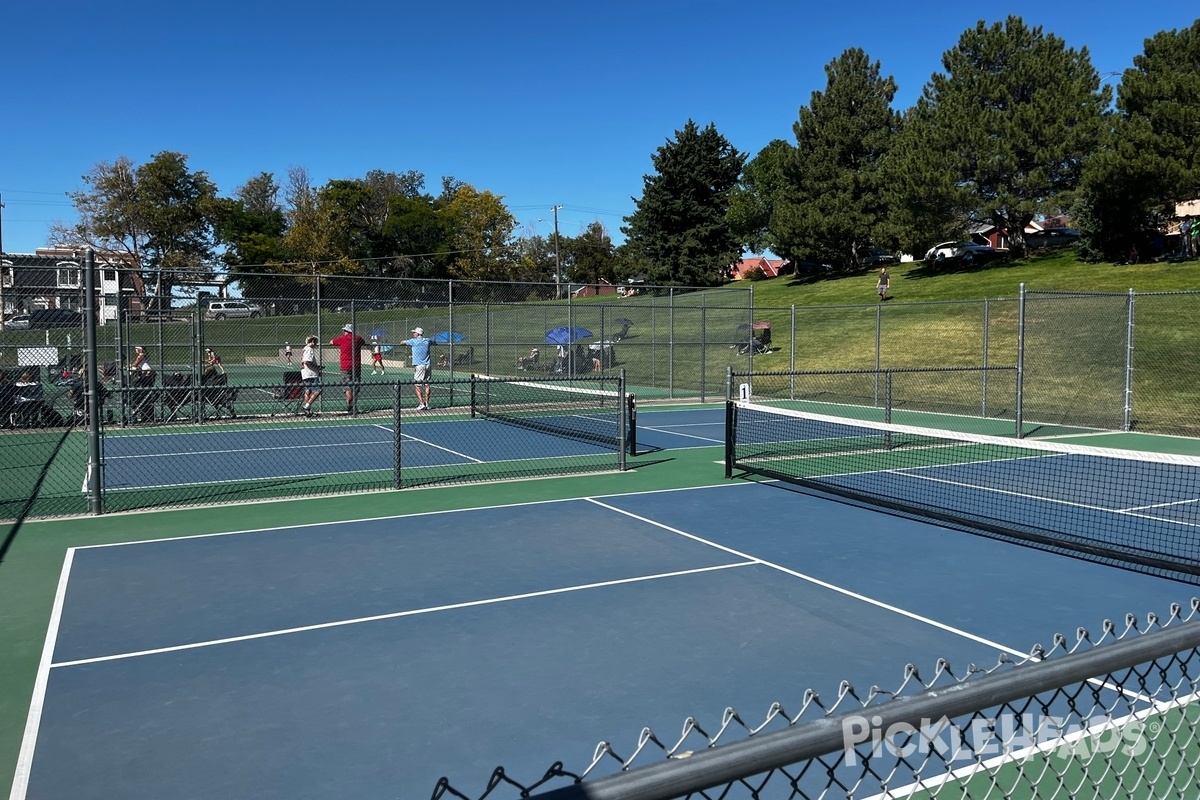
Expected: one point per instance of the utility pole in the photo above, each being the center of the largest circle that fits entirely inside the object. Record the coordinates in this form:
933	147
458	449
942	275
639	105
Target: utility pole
557	263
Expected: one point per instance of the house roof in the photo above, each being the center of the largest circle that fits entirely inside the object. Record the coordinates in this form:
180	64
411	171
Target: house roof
770	266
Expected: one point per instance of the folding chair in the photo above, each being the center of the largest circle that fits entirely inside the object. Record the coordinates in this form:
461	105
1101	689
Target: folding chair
141	398
465	356
177	395
290	395
217	394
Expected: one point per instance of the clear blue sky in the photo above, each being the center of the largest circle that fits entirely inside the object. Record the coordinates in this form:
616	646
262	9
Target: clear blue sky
543	103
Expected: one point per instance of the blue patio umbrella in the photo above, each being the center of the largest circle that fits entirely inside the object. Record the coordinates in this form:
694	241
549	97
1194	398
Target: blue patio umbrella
565	335
446	337
379	333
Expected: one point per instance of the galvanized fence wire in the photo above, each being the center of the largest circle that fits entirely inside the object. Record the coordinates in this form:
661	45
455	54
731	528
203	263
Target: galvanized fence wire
975	392
180	443
1110	715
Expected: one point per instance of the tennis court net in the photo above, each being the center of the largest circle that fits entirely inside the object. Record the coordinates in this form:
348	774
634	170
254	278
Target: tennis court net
1130	508
592	410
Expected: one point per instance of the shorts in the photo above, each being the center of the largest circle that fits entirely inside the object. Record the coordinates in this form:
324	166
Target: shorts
421	373
352	375
312	384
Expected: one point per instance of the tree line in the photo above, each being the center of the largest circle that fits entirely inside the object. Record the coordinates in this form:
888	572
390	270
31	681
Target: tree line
1016	127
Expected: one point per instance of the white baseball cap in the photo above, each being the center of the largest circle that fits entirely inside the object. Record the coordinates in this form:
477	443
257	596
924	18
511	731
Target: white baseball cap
348	328
419	331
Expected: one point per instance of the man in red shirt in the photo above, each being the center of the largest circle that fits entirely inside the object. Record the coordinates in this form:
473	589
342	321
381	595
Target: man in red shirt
351	345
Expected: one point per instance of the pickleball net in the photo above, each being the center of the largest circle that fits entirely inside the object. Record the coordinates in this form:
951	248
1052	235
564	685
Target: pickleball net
1128	508
596	410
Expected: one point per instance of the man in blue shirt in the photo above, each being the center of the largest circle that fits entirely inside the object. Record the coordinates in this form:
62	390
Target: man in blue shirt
420	360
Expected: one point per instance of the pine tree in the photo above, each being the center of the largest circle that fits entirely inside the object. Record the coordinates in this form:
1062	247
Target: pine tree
832	205
679	231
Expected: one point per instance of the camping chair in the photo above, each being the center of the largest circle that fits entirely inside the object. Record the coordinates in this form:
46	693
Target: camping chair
291	394
30	409
177	395
141	397
217	394
529	361
465	357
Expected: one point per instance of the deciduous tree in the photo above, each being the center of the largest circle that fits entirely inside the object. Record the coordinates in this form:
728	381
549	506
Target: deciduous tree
1001	136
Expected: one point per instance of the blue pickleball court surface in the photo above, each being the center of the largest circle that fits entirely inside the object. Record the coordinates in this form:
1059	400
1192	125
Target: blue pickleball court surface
370	658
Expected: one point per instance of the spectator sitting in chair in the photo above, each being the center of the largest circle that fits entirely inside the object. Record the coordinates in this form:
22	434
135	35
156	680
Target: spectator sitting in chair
525	362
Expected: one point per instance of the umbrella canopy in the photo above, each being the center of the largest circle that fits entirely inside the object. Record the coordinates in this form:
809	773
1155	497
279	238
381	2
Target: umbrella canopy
448	336
565	335
379	333
758	326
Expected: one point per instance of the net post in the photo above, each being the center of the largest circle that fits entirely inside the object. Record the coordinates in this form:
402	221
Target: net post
396	437
632	434
474	380
1020	364
622	429
91	480
1127	417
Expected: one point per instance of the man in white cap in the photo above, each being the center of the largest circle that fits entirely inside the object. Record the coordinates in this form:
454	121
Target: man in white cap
350	345
420	361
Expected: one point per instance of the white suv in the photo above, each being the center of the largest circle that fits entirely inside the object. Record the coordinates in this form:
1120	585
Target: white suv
232	309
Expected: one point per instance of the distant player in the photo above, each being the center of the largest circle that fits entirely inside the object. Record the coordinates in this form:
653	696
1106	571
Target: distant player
287	351
376	355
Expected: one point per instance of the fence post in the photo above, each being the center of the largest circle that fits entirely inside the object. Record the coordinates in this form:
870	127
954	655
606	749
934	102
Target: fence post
984	373
91	480
792	355
396	438
878	344
1127	420
1020	363
671	345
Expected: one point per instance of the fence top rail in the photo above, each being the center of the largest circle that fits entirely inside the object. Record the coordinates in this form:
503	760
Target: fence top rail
890	304
867	371
803	740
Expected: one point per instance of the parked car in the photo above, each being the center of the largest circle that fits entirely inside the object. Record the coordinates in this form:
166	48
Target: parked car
965	251
1052	237
44	318
878	257
232	309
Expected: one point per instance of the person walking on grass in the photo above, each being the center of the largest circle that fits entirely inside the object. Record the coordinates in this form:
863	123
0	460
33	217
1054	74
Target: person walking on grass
420	361
885	281
310	374
350	345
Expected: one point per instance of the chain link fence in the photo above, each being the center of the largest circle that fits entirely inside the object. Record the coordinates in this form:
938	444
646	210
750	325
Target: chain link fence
1113	715
1111	362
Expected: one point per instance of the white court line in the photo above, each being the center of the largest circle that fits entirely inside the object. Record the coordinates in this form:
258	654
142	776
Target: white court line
817	581
855	595
657	429
34	721
445	449
392	517
912	473
399	614
242	450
